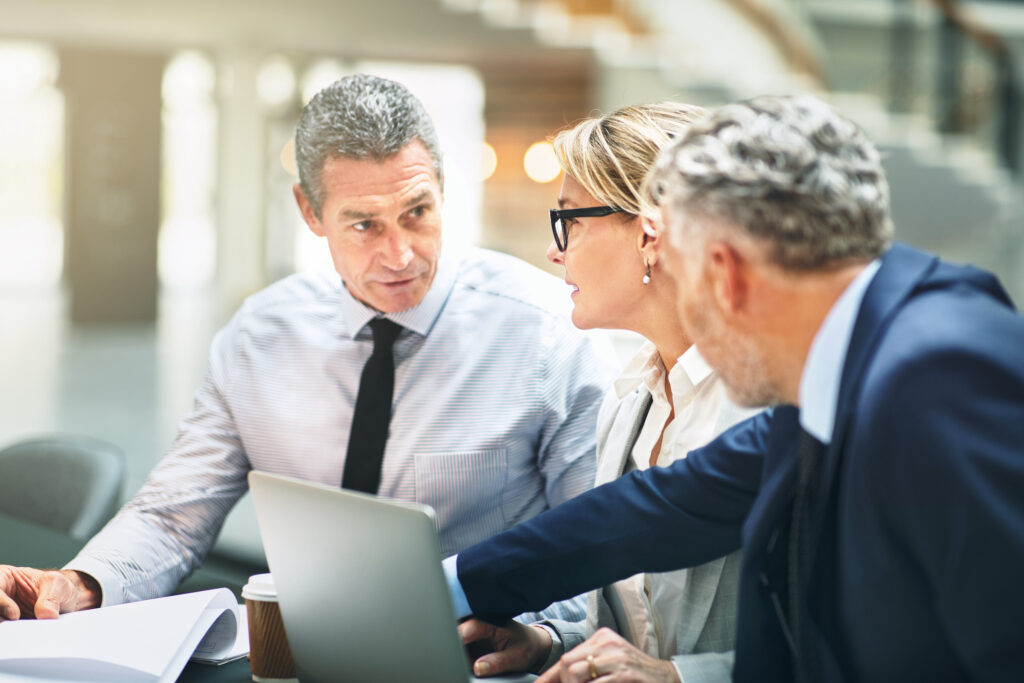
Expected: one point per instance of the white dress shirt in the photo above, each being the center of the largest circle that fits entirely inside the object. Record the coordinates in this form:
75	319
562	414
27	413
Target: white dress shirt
495	402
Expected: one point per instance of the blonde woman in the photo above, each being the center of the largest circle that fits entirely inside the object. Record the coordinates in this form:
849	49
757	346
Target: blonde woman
650	627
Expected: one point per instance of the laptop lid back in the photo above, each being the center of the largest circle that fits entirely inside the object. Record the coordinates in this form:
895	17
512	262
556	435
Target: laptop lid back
359	584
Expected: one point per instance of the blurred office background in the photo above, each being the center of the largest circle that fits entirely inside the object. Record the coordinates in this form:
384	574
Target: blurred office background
146	169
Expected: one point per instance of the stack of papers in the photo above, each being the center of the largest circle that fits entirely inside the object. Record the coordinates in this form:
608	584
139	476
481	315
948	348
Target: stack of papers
150	640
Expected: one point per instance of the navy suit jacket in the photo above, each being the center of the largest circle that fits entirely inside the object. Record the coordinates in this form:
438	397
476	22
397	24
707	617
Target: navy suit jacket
918	553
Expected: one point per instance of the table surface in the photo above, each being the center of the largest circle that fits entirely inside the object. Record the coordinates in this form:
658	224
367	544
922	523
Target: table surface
25	544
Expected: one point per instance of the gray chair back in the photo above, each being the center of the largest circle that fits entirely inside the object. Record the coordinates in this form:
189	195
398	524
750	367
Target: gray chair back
66	482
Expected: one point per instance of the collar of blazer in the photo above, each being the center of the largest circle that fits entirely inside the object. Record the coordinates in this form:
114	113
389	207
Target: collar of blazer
901	271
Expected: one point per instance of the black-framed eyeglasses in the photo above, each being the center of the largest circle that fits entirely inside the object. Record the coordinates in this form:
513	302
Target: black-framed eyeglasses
558	217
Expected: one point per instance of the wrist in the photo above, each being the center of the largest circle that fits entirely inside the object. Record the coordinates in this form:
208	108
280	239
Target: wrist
89	593
541	639
672	673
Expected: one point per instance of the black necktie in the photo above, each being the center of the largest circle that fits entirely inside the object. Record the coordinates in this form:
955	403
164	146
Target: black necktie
810	452
369	431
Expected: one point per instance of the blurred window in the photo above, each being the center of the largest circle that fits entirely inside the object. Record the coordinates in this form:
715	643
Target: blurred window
31	167
188	236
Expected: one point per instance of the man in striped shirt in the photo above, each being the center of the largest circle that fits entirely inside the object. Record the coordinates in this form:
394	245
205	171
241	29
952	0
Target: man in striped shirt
495	393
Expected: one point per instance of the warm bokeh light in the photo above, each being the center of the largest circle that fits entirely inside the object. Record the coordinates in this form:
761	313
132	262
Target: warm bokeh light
189	76
488	161
319	75
540	163
276	81
27	67
288	158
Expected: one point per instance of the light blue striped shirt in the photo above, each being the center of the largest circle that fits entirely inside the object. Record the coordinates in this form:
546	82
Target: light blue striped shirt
495	404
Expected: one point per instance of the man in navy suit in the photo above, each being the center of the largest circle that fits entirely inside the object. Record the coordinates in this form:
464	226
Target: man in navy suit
881	502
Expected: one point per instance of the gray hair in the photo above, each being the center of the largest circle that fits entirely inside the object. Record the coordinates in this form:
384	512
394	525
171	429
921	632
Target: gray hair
359	117
788	171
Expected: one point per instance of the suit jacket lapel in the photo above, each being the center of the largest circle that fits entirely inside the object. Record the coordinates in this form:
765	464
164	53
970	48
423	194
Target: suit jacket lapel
626	425
615	457
903	268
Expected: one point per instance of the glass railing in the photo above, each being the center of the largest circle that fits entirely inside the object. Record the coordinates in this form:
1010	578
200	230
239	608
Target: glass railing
939	59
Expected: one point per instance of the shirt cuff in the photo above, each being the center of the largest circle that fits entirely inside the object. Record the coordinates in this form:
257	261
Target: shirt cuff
451	575
110	585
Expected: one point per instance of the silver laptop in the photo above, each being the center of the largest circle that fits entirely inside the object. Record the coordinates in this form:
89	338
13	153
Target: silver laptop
360	585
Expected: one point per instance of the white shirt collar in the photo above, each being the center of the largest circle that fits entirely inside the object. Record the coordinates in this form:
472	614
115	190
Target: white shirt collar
819	382
696	368
419	318
647	368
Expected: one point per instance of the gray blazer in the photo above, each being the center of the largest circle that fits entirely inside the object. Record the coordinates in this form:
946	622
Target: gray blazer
704	642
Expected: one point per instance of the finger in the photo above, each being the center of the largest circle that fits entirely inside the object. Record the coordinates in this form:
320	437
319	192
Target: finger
6	578
474	629
503	661
552	675
8	608
54	593
577	654
604	636
578	672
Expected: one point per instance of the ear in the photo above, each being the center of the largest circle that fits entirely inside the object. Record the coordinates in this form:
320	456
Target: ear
648	242
306	209
729	277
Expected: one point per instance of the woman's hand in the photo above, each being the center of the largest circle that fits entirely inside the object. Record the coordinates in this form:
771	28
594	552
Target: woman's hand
608	657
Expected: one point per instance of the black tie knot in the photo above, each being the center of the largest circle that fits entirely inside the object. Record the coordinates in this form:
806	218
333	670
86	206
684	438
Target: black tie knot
384	334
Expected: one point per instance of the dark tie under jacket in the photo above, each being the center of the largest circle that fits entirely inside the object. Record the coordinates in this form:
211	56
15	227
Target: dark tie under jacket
369	432
810	452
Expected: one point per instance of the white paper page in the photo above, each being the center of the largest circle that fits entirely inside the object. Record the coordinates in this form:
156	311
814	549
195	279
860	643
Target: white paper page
141	636
215	647
181	657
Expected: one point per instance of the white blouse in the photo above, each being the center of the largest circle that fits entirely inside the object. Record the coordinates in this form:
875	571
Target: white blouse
653	602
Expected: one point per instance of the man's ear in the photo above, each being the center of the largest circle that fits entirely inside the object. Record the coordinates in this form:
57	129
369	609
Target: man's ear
306	209
729	276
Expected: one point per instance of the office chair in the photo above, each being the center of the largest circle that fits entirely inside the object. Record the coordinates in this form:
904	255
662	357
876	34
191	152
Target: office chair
66	482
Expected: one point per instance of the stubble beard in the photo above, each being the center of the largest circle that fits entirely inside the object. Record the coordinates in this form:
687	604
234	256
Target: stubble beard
737	360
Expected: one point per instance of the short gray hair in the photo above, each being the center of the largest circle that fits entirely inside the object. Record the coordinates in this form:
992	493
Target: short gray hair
788	171
359	117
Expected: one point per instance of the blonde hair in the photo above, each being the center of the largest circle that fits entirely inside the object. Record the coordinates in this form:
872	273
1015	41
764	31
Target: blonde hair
610	155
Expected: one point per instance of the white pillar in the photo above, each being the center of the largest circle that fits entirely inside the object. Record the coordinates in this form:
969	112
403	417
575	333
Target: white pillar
241	231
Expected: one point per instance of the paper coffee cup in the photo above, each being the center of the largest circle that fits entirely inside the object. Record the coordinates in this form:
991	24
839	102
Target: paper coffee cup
270	658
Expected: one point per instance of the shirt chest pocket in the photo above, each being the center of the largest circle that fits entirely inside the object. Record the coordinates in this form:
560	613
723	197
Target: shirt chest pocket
466	490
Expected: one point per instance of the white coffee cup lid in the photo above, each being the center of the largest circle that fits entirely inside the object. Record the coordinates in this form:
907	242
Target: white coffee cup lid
260	587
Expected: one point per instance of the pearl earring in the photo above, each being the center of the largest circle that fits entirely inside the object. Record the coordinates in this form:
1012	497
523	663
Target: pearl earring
647	275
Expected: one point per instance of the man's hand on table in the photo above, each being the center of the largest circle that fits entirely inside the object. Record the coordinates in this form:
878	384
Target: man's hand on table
508	648
44	593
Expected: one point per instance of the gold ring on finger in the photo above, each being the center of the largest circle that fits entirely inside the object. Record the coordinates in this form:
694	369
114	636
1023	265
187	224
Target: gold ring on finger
593	667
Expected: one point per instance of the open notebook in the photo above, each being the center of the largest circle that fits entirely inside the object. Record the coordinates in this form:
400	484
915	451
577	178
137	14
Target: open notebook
151	640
